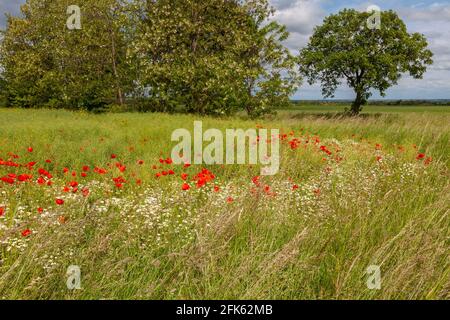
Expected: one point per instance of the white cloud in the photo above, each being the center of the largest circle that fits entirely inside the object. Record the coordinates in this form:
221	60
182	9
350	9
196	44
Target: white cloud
429	18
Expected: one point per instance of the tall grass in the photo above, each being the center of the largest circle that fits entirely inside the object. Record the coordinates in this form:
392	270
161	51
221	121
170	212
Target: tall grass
312	236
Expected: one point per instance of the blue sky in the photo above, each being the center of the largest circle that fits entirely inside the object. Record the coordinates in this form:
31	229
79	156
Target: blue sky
432	18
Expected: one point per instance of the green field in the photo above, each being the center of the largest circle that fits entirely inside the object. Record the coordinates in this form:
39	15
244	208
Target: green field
380	197
371	109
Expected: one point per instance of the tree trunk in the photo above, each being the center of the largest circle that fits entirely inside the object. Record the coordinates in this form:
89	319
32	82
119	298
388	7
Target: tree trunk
358	103
119	94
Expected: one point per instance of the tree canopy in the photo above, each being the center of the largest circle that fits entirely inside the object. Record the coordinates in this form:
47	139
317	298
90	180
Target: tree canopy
205	56
345	48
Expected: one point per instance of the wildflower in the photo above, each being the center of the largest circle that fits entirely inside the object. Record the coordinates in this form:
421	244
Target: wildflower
24	177
185	187
255	180
30	149
26	233
420	156
85	192
40	210
62	219
2	211
73	184
59	202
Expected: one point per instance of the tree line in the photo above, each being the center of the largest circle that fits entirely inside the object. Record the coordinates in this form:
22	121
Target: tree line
214	57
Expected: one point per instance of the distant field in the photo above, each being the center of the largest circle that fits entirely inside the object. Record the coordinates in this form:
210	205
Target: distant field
100	192
370	109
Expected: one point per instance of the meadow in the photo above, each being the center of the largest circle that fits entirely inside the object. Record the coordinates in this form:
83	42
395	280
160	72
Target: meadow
100	191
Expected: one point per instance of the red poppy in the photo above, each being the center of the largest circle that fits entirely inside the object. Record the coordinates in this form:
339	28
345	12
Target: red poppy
184	176
30	149
86	168
26	233
230	200
40	210
185	187
24	177
295	187
2	211
59	202
113	156
100	170
421	156
85	192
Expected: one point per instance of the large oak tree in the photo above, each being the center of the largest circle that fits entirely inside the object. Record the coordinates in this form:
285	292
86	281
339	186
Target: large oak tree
345	48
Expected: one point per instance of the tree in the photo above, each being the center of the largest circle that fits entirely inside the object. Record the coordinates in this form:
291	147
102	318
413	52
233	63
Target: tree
213	56
46	64
344	47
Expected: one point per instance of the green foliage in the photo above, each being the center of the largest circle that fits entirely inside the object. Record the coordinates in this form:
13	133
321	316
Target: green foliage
209	57
343	47
46	64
